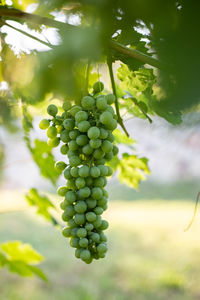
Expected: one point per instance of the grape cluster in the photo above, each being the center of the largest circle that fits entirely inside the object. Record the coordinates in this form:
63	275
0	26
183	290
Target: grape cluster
86	132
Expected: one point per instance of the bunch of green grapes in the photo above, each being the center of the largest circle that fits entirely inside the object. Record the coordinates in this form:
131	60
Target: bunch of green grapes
86	132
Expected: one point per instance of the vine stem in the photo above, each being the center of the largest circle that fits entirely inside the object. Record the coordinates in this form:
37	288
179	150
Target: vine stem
120	121
27	34
13	14
87	76
194	214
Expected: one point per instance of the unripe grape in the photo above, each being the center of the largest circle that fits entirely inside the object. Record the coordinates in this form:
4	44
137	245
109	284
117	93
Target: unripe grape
104	225
115	150
73	134
67	173
83	242
62	190
44	124
109	171
59	128
103	170
110	98
110	137
98	87
65	216
88	102
97	223
107	146
81	232
85	255
105	117
53	142
60	165
95	172
66	105
74	161
84	192
78	252
91	203
66	232
52	132
87	149
83	126
112	125
79	219
98	210
89	226
95	143
72	223
101	103
80	182
74	242
74	110
109	156
89	181
90	216
82	140
74	231
80	207
93	133
96	193
103	134
81	116
70	197
52	110
101	248
95	237
98	153
73	145
64	136
84	171
74	172
68	124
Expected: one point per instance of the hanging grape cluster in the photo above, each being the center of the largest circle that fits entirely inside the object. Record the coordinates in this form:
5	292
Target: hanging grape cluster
86	132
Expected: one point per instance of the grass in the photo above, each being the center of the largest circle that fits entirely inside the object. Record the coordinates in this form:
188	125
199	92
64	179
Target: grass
150	256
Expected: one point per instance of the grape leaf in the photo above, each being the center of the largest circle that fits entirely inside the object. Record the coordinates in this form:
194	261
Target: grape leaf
42	204
21	259
121	138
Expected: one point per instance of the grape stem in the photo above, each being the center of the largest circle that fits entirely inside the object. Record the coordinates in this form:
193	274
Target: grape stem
120	121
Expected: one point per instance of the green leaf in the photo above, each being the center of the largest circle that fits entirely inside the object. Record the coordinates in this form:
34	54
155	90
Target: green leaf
42	155
132	170
21	259
42	204
27	120
121	138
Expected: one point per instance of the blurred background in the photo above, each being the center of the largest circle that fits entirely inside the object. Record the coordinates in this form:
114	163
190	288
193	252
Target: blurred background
150	256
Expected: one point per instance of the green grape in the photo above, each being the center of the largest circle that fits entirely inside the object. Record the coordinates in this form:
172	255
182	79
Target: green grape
103	237
93	133
107	146
81	232
83	242
91	203
44	124
101	202
110	171
72	223
84	171
88	102
89	226
81	116
60	165
95	143
103	134
73	134
103	170
106	117
65	216
84	192
74	231
110	137
69	211
80	207
99	182
73	145
68	124
82	140
78	252
80	182
74	161
66	232
88	261
98	210
83	126
104	225
105	193
112	125
90	216
97	223
74	172
64	136
95	172
72	153
53	142
115	150
96	193
101	103
85	255
110	98
89	181
66	105
52	132
102	255
59	128
71	184
67	173
64	149
109	156
98	87
98	154
74	242
62	190
70	197
101	248
74	110
79	219
87	149
52	110
111	110
64	204
95	237
101	161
